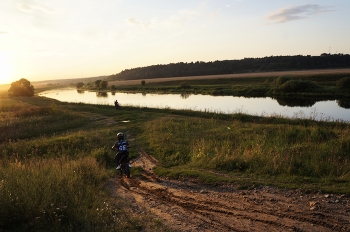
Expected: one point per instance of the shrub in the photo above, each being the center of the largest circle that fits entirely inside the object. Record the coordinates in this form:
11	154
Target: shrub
184	85
21	87
80	85
281	80
297	86
143	82
103	84
344	103
344	83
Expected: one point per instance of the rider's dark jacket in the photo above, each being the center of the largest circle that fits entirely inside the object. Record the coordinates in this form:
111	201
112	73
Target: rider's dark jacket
121	146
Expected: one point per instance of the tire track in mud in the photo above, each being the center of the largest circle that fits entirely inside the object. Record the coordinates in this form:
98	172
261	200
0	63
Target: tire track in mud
189	206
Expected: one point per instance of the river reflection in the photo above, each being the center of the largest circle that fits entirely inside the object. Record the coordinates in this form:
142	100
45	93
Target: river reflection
344	103
101	94
293	102
284	107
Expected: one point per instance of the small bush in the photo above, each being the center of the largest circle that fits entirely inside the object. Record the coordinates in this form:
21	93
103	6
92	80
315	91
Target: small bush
281	80
143	82
344	103
185	85
297	86
21	87
344	83
80	85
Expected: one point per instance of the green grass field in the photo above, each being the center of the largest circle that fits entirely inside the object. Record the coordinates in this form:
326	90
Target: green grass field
56	158
313	85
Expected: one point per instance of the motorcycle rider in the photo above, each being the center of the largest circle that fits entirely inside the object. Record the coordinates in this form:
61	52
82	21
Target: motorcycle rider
122	146
116	104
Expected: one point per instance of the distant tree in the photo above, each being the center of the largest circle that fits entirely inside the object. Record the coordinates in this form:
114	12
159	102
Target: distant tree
103	84
297	86
281	80
21	88
344	83
97	83
270	63
343	103
80	85
143	83
113	87
185	85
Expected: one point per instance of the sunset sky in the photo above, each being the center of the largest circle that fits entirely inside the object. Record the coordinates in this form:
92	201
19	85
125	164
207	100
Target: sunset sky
60	39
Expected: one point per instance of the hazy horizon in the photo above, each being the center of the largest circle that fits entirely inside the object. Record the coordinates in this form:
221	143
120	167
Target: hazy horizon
61	39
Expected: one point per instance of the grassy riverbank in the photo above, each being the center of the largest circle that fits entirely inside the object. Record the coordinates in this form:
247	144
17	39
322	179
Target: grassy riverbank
326	86
56	158
54	166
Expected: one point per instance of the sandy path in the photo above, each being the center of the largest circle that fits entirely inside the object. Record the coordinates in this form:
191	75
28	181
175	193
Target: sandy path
189	206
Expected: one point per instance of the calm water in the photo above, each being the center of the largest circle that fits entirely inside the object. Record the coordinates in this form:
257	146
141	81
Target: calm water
322	110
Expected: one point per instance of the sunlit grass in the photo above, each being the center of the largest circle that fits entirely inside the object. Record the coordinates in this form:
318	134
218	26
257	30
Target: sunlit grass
314	150
55	160
313	85
57	192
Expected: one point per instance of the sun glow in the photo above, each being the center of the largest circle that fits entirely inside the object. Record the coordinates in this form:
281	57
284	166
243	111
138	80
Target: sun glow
5	69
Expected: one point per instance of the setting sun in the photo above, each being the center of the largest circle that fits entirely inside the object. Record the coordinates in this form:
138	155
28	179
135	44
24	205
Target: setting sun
5	70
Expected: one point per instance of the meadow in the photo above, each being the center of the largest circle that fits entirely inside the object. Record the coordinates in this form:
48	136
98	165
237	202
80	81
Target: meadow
56	159
54	165
308	84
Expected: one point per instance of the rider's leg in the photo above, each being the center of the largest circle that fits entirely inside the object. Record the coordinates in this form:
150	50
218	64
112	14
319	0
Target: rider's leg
116	159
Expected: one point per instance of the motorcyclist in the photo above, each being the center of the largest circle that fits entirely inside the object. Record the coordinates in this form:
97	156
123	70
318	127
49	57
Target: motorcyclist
122	146
116	104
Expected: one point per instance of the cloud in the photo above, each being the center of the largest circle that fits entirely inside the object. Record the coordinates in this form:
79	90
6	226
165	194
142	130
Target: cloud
28	8
295	13
3	32
176	34
133	21
188	13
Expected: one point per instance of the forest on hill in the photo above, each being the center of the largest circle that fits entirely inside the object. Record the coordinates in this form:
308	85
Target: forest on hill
271	63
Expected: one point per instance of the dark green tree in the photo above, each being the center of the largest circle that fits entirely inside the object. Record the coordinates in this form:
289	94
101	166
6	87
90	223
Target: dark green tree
344	83
21	87
80	85
97	83
103	84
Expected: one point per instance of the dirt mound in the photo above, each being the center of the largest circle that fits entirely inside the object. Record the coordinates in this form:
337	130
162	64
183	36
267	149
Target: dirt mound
189	206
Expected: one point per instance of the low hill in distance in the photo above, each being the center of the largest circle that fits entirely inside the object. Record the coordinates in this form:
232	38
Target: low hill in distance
246	65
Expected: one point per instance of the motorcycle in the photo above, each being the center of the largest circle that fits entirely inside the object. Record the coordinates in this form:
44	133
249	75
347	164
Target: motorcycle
117	105
124	165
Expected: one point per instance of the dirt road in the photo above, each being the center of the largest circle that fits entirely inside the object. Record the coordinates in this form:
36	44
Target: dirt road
187	205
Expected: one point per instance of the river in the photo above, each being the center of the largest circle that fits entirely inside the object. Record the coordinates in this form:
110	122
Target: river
332	110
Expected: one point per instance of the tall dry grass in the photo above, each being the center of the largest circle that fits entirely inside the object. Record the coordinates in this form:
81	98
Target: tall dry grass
312	149
55	193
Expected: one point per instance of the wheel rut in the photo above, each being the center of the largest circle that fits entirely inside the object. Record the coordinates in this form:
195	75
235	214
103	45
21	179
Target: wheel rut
186	205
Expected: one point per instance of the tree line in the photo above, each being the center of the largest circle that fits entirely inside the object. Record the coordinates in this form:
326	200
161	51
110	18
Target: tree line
271	63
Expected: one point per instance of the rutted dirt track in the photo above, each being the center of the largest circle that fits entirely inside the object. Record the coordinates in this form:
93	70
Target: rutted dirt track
189	206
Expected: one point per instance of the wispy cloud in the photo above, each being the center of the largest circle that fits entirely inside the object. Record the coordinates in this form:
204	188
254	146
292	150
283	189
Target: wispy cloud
133	21
188	13
28	8
3	32
297	12
176	34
